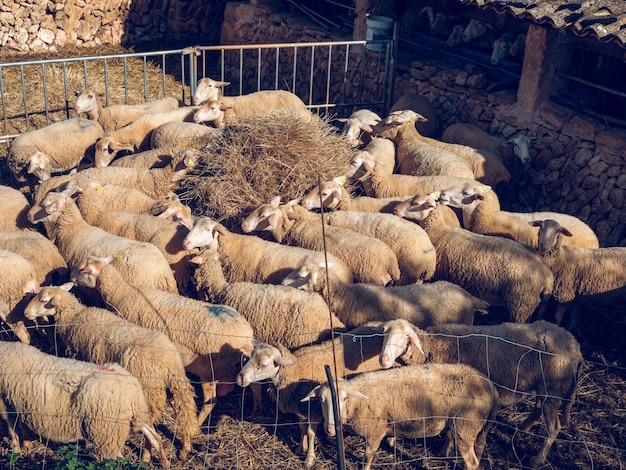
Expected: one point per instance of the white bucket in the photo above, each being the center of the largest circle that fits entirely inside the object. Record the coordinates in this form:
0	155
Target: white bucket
378	28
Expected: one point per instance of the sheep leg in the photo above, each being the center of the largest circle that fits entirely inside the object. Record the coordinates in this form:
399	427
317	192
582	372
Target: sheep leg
307	442
533	416
372	443
466	449
155	444
553	425
209	393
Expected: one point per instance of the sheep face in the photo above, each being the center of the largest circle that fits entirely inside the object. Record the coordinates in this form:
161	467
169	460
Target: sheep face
264	217
207	89
399	337
463	195
328	192
49	209
46	301
86	272
264	363
212	111
307	277
549	232
416	208
203	234
39	166
86	102
474	29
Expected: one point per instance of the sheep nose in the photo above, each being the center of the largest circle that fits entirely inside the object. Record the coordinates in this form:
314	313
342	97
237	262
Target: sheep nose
385	361
241	381
330	429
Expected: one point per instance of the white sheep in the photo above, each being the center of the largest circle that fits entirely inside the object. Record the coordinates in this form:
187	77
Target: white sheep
115	116
409	242
136	135
207	89
538	359
358	303
502	47
277	314
479	206
181	133
252	259
15	207
415	156
293	374
369	259
496	269
415	401
100	336
335	196
472	136
17	278
211	338
155	182
50	267
366	168
99	403
76	239
159	157
55	148
228	108
593	275
361	120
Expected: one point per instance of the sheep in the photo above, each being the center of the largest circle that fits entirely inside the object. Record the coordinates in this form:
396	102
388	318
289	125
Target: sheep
415	401
55	148
518	46
155	182
207	89
478	31
49	265
361	120
500	270
100	336
409	242
276	313
472	136
423	106
538	359
596	275
366	168
99	403
136	135
335	196
116	116
76	239
211	338
159	157
456	36
414	156
369	259
502	47
293	374
17	278
356	304
251	259
15	206
225	109
477	204
181	133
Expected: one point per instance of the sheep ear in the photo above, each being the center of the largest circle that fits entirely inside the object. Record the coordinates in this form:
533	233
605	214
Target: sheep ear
340	180
275	201
219	228
312	394
484	188
67	286
356	394
416	341
535	223
565	232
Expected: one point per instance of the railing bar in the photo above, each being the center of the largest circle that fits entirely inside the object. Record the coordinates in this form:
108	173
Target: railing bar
45	93
24	98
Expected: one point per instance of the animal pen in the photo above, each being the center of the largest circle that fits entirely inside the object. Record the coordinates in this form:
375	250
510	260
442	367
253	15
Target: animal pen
333	79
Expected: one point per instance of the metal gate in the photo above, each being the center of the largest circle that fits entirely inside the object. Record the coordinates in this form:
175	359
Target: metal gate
332	78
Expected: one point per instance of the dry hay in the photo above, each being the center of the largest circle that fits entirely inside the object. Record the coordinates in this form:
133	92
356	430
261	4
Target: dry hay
260	157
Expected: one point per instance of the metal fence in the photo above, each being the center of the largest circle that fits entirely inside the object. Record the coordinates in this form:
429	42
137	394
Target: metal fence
330	77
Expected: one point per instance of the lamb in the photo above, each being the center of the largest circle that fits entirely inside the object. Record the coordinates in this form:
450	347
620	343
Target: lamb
366	168
17	278
416	157
99	336
501	271
472	136
155	182
480	215
356	304
361	120
116	116
76	239
415	401
276	313
136	135
596	275
248	258
14	209
294	374
181	133
409	242
335	196
369	259
211	338
538	359
207	89
98	403
226	108
49	265
55	148
456	36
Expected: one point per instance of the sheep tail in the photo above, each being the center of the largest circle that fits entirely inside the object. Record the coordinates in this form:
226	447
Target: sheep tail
567	406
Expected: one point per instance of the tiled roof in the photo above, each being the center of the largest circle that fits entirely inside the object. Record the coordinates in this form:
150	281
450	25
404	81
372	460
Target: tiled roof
602	19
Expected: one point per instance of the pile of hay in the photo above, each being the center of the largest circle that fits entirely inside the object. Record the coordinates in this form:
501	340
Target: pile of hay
260	157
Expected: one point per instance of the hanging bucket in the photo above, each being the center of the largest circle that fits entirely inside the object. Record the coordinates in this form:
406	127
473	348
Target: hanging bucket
378	28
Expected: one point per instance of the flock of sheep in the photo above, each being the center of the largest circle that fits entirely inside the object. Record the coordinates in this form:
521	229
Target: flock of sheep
386	286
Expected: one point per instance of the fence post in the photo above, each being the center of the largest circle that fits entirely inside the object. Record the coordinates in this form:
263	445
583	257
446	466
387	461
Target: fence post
339	434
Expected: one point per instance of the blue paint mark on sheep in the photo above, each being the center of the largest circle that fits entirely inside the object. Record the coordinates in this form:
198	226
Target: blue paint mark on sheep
220	311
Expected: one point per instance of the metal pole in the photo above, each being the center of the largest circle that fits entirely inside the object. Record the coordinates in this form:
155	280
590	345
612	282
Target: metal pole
339	433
